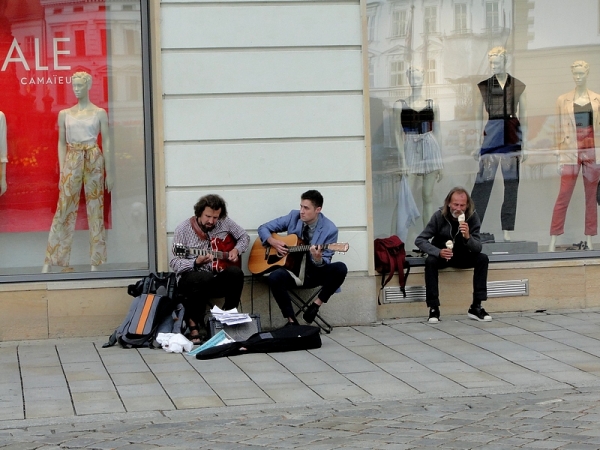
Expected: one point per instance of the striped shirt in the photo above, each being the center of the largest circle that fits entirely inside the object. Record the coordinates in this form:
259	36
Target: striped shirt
185	235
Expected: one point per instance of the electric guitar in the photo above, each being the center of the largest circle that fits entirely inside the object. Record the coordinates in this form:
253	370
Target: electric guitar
219	251
265	259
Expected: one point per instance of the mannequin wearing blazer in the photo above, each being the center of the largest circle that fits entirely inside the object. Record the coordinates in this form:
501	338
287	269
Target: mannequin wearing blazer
577	136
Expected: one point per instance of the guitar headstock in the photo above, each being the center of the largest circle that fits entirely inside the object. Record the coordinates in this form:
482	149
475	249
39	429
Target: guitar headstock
339	247
180	250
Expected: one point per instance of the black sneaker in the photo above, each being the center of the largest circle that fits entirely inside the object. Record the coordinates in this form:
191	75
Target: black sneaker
478	313
434	315
311	312
292	324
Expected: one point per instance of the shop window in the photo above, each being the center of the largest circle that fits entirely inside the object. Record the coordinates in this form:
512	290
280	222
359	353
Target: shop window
61	89
497	125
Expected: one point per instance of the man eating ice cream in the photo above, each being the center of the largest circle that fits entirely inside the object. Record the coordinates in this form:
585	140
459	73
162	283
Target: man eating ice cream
451	239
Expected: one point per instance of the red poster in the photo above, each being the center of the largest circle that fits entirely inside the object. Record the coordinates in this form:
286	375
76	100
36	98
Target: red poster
42	44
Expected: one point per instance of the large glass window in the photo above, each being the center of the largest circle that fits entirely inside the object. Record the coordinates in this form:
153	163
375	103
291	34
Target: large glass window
73	181
509	110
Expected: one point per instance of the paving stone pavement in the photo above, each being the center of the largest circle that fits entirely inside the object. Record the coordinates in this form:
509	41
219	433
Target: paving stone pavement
526	380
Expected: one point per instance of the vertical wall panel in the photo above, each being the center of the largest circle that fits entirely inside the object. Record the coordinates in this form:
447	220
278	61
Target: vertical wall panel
263	101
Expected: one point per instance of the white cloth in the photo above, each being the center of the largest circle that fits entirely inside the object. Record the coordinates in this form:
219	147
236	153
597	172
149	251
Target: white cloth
174	342
408	213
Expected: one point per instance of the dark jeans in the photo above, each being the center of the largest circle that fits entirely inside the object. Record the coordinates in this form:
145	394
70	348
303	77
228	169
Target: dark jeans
478	261
488	166
198	288
329	276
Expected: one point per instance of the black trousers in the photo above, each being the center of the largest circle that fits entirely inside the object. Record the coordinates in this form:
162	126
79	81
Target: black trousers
488	166
198	288
329	276
478	261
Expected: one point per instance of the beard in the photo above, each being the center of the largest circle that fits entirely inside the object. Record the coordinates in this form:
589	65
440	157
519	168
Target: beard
456	212
206	227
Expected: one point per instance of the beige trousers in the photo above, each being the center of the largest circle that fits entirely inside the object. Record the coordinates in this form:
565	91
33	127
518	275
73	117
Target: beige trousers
84	165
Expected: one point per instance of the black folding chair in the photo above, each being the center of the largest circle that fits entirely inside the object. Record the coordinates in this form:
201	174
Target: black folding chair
302	297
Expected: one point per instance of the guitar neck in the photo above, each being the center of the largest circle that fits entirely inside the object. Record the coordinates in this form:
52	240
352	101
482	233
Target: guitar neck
304	248
202	252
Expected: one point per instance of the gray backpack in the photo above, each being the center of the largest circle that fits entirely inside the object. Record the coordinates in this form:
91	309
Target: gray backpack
153	310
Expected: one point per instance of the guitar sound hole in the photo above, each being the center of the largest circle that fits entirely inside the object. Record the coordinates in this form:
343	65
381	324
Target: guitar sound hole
272	259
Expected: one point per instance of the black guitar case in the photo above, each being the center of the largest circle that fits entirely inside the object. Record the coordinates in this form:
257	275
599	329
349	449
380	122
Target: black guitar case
286	339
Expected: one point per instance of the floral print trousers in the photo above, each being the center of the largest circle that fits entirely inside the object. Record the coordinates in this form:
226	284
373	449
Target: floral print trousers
84	165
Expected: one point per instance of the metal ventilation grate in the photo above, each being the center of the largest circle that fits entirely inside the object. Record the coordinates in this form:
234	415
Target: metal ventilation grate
506	288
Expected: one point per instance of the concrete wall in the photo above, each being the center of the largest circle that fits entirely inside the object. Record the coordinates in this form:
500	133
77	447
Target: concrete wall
56	310
263	101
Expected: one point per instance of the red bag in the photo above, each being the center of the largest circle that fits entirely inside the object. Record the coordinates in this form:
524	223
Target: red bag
390	257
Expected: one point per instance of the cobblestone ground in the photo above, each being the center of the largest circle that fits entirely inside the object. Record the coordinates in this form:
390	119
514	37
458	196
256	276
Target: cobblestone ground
545	419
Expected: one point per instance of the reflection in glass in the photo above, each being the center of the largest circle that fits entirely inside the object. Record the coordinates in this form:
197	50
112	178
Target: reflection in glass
576	131
503	98
419	153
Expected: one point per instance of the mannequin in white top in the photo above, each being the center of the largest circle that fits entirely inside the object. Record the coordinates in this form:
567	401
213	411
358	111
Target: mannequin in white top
416	125
3	153
81	163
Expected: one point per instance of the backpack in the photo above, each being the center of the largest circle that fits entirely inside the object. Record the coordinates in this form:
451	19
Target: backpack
390	257
154	310
286	339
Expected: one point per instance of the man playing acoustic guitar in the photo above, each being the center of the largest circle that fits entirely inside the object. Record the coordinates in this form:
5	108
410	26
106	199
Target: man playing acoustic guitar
216	271
316	268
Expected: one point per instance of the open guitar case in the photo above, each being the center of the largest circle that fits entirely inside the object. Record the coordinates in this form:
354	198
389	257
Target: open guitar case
286	339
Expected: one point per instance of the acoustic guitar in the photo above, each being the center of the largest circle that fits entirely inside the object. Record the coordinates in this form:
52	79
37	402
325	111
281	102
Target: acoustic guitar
265	259
219	252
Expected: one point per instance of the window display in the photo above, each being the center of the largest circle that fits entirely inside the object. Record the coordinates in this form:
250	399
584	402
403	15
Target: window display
493	72
578	131
503	98
81	163
73	181
420	156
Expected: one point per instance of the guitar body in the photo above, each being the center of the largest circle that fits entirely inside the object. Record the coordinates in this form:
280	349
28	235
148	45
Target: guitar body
225	246
219	250
265	259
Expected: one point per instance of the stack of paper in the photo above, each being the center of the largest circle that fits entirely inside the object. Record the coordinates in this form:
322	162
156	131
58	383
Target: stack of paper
230	317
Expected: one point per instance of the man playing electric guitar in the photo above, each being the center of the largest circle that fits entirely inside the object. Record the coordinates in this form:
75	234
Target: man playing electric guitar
310	225
215	272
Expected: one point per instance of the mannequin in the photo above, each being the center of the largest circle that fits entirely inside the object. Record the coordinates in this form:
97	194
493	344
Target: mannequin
416	126
3	153
81	163
503	98
577	133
